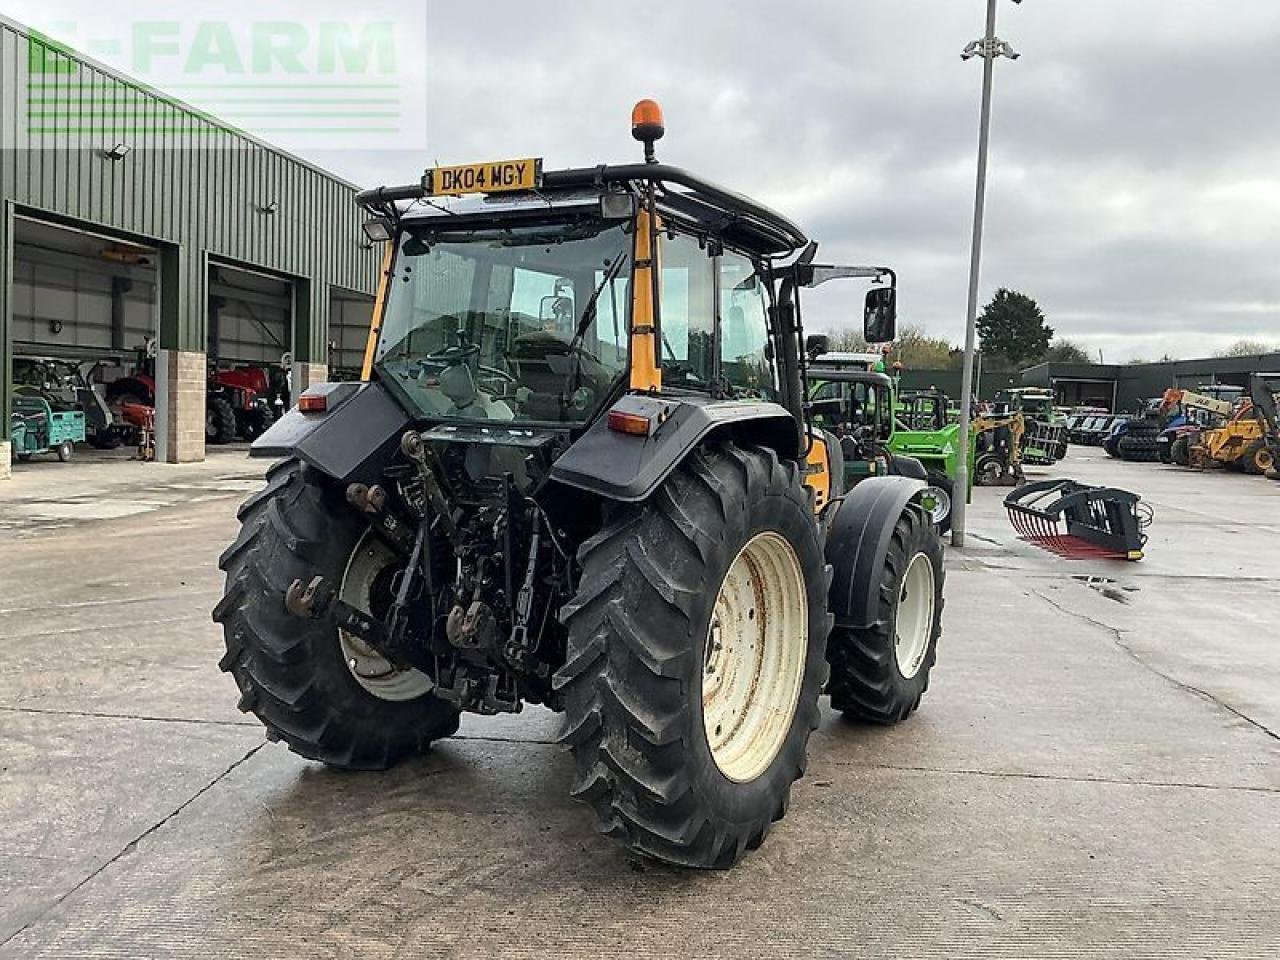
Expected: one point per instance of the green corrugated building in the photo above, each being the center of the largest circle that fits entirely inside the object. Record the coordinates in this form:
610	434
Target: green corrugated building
135	205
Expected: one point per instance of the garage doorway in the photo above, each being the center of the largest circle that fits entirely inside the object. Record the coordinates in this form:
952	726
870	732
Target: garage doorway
350	315
85	318
250	349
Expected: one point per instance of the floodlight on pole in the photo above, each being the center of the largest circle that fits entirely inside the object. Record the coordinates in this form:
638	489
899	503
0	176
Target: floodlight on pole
988	48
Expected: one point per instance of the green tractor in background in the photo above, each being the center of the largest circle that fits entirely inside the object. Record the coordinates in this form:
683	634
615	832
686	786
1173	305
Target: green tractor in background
858	406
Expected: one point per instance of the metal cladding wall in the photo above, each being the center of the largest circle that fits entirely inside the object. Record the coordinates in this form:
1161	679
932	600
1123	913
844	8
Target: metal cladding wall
1138	382
190	186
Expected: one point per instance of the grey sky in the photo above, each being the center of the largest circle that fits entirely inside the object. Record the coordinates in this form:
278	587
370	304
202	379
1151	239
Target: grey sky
1135	184
1136	162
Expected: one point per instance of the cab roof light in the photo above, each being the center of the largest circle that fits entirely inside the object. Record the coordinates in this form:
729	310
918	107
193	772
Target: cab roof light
647	126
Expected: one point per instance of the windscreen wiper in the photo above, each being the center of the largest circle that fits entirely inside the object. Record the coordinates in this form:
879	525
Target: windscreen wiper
589	311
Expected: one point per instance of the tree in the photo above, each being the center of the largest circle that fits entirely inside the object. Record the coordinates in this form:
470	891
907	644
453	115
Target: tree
915	351
1066	351
1246	348
1012	325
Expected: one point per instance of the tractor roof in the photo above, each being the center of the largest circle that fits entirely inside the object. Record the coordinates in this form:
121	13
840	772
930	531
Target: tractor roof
702	206
848	375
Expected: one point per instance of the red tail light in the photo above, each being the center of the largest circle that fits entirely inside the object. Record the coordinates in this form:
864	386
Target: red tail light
631	423
313	403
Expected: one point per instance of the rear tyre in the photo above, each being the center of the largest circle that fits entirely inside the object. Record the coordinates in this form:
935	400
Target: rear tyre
66	450
695	658
880	674
1139	449
219	421
303	679
1258	459
1181	452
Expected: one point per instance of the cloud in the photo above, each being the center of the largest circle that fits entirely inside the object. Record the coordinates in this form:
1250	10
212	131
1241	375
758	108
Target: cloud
1134	188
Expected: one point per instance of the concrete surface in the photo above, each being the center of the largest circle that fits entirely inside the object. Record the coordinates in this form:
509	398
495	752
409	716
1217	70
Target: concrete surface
1095	771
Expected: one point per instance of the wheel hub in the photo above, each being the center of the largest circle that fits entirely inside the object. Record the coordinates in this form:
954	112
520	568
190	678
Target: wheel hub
913	626
369	575
754	658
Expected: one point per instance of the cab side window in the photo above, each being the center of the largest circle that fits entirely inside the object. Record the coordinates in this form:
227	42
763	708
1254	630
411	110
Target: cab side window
744	330
688	312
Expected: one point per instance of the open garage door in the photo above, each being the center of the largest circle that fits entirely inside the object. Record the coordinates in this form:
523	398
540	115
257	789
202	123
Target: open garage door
84	321
350	314
250	345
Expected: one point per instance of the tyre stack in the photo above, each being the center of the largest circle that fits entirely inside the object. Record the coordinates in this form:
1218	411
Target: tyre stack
1141	442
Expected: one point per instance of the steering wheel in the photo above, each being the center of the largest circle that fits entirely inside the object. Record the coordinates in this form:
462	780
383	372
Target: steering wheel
455	353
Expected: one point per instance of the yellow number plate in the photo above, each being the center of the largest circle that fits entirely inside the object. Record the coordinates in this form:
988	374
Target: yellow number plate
498	177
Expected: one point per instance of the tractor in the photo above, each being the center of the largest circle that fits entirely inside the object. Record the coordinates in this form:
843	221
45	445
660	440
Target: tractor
580	470
1250	440
856	405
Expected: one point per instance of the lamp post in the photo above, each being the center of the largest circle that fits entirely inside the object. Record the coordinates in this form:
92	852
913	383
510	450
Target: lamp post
989	47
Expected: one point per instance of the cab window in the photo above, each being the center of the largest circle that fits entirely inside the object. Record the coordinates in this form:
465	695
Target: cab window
744	330
688	313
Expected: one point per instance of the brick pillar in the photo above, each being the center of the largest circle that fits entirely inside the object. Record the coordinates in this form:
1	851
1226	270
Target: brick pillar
6	456
305	374
181	393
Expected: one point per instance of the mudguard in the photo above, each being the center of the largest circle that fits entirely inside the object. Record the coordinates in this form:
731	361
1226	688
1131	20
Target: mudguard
628	468
904	466
349	441
858	542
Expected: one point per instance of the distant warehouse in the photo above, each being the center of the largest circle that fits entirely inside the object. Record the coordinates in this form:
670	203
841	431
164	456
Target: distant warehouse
151	241
1121	388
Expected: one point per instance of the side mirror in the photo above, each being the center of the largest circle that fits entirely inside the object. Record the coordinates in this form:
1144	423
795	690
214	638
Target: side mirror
816	345
880	321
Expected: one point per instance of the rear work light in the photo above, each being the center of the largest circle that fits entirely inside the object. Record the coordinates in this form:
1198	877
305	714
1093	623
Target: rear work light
313	403
631	423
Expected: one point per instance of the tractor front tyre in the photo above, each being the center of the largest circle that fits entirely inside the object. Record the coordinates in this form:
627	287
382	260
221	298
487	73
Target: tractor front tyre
257	422
879	674
219	421
946	485
695	658
324	693
990	470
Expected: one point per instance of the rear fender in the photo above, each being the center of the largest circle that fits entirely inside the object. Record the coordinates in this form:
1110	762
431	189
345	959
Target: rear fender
858	543
351	440
628	468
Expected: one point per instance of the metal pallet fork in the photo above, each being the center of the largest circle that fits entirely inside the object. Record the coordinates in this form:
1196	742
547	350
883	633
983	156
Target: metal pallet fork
1077	521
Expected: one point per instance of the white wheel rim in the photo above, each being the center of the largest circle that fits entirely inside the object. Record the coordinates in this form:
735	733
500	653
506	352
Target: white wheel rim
913	626
370	669
755	657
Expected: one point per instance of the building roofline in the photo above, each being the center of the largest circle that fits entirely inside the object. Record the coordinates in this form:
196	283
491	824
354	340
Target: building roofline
203	115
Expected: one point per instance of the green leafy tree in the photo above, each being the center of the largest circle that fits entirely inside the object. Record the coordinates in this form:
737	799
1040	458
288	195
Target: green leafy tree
1013	325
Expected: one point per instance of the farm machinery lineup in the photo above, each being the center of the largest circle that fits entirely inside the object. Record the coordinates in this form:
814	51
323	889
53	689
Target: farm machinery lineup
1212	426
602	489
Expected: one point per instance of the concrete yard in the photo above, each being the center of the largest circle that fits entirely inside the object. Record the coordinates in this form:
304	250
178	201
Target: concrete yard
1095	771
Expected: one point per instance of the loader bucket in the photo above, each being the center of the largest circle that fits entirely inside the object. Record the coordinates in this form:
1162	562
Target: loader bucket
1078	522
